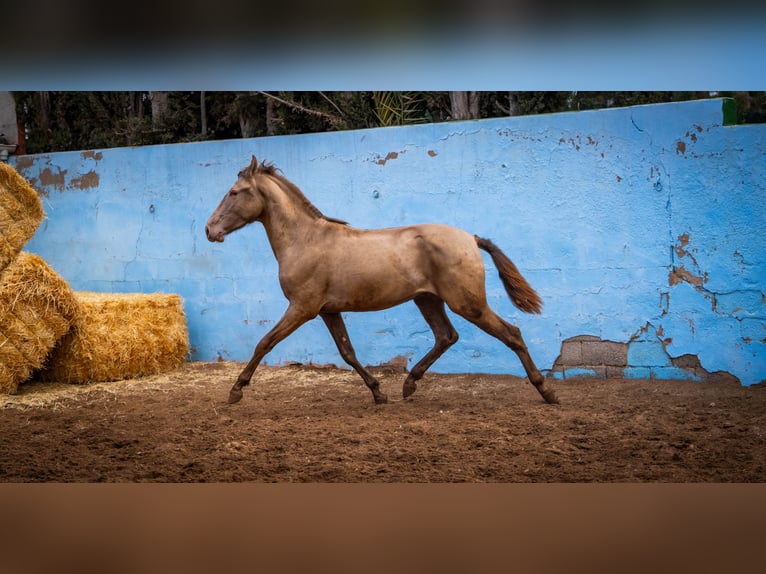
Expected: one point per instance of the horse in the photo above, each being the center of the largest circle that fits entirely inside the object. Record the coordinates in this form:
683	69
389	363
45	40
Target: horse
327	267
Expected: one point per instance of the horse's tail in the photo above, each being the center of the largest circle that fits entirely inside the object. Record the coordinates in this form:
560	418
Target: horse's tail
521	293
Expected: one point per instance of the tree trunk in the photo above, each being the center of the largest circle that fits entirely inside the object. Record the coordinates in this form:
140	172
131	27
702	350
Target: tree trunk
45	111
271	119
464	105
247	125
135	113
513	104
159	102
203	114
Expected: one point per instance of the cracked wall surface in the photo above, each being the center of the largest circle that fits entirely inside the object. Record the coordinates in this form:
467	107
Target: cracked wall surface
638	226
644	356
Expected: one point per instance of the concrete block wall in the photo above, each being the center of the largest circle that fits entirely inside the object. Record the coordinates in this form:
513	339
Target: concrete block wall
642	229
643	357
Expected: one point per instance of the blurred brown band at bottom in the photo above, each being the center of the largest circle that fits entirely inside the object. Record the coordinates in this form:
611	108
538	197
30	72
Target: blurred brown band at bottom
381	528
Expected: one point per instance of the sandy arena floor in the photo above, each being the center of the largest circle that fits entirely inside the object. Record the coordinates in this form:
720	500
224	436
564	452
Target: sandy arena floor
309	424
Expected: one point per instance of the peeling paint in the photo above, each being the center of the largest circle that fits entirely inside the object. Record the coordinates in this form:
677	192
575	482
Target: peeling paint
50	179
648	357
643	356
391	155
96	155
664	302
24	162
680	147
680	274
85	181
683	241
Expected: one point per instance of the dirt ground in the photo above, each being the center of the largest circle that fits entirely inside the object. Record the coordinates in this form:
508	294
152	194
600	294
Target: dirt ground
307	424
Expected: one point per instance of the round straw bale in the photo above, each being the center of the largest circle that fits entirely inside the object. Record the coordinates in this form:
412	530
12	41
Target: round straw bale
119	336
21	212
36	310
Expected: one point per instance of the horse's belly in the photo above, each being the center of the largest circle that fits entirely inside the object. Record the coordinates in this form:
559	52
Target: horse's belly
373	286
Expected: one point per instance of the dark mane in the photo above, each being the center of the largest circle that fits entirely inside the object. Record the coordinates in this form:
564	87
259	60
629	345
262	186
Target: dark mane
270	170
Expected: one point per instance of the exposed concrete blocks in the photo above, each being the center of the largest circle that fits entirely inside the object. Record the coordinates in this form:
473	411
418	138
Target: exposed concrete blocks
589	356
643	357
648	359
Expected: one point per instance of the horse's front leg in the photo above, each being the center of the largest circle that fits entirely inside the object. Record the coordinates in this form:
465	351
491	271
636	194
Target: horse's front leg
337	328
290	321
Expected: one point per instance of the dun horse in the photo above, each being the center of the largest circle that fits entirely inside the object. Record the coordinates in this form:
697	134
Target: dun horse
327	267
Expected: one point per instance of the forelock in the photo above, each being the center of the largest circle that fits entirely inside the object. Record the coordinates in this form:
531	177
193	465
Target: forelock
256	169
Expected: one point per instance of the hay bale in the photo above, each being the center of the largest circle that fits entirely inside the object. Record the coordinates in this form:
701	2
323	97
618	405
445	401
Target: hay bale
21	212
36	310
120	336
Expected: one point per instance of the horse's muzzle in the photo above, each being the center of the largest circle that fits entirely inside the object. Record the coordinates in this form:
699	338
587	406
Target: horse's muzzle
213	236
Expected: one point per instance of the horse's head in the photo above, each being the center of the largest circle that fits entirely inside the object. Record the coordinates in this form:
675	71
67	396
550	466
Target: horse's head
241	205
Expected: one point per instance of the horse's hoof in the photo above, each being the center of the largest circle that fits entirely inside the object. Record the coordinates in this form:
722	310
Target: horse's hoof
381	399
550	396
235	395
408	388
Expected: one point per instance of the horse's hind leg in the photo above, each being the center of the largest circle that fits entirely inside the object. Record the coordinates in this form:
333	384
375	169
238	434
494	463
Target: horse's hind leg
509	334
445	336
337	329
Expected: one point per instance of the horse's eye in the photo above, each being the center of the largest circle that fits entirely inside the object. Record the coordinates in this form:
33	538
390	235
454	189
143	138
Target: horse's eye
233	193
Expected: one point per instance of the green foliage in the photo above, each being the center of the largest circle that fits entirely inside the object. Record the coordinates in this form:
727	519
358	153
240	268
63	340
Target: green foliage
63	121
399	108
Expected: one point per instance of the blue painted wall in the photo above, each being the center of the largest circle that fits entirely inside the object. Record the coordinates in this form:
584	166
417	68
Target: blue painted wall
642	223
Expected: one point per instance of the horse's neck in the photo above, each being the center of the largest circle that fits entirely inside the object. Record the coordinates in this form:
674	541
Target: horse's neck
287	220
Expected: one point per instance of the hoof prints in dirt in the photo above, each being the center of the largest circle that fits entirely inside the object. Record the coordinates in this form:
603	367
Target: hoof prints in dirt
319	425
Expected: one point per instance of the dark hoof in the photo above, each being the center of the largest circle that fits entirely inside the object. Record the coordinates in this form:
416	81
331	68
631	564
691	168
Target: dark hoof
235	395
381	399
550	396
408	388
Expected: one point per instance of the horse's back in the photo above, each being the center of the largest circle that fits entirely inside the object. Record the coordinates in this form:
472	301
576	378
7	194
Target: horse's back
448	246
447	259
420	245
378	268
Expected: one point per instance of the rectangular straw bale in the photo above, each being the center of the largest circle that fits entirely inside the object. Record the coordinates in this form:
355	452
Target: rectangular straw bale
120	336
37	308
21	212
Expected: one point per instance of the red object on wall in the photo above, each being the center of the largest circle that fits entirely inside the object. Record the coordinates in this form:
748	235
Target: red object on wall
21	148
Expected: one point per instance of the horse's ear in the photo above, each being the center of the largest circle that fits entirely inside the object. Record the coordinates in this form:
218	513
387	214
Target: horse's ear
253	166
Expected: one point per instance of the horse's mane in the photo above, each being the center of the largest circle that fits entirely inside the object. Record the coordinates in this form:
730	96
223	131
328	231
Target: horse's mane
269	169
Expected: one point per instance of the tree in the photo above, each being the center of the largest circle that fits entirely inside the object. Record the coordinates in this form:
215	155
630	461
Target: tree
61	121
202	114
159	102
465	105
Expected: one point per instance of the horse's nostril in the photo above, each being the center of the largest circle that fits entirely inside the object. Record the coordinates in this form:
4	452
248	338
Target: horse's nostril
212	235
